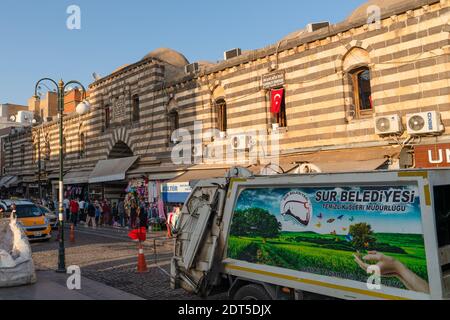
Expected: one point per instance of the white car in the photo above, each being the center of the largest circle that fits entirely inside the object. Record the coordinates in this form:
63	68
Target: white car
51	216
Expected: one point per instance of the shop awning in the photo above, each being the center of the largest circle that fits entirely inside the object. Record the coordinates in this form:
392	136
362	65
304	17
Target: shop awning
111	170
352	166
14	182
200	174
156	173
77	177
4	180
53	176
347	160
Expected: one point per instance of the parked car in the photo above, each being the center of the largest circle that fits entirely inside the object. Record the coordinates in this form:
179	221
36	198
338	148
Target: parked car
51	216
30	217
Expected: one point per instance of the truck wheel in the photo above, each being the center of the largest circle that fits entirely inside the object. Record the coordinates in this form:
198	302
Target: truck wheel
252	292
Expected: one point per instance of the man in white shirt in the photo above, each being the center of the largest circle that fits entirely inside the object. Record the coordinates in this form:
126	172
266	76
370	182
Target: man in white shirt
81	204
66	204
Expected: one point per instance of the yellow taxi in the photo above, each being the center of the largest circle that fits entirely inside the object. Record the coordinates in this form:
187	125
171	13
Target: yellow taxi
32	219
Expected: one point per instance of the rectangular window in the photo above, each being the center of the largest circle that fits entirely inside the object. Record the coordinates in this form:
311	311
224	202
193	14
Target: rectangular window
107	117
222	115
135	109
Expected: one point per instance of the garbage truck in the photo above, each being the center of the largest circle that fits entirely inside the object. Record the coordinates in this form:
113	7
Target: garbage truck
382	235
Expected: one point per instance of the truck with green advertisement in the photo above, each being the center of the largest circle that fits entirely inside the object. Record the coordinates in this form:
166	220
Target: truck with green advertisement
369	235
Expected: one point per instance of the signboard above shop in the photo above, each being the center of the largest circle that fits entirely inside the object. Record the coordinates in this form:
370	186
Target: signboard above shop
432	156
175	192
273	80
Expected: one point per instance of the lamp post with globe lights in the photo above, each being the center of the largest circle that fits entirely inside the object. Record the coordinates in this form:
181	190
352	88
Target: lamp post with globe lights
82	108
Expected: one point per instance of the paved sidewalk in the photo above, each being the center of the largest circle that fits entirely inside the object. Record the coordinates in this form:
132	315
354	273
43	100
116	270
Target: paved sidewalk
52	286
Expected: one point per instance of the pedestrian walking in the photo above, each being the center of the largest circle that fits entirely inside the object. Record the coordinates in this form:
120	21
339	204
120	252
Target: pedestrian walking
121	212
66	205
98	213
74	208
133	214
91	214
115	214
106	213
82	216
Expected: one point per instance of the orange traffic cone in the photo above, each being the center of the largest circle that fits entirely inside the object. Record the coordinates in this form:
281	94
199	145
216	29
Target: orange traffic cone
142	264
72	233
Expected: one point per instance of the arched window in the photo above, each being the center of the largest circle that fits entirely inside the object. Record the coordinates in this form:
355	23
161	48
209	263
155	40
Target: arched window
107	118
82	149
280	117
356	66
221	106
48	150
135	108
362	90
174	122
34	153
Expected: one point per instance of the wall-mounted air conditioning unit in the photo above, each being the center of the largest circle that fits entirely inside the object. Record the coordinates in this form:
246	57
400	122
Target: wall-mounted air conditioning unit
230	54
385	125
424	123
317	25
192	68
242	142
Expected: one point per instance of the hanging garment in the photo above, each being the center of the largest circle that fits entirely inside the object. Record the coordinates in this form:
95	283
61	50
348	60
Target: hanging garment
162	214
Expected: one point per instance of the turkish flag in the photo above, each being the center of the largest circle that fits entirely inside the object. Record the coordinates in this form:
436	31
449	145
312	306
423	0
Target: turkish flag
138	234
277	99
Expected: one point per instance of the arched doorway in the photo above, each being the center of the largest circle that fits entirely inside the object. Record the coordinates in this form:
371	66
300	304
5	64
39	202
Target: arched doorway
108	180
120	150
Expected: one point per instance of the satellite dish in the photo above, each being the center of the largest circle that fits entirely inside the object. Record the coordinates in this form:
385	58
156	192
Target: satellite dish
13	118
417	123
96	76
383	124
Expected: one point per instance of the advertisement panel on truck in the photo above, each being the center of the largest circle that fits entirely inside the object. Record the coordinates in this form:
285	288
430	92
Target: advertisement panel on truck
334	232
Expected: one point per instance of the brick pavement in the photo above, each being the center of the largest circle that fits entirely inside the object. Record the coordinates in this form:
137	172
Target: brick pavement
109	257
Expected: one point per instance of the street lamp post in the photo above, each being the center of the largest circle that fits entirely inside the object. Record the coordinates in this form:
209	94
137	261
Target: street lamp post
82	108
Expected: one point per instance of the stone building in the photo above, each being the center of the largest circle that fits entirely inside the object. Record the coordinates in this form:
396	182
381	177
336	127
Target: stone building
363	94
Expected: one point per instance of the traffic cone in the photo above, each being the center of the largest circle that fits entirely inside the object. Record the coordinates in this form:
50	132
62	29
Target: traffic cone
142	264
72	233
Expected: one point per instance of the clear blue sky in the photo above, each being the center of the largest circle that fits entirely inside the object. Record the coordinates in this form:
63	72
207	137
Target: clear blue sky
34	40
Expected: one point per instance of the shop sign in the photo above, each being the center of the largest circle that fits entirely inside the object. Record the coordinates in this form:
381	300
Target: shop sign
273	80
432	156
176	188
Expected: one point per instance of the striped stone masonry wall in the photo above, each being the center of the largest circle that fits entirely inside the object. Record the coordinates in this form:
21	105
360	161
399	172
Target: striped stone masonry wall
408	58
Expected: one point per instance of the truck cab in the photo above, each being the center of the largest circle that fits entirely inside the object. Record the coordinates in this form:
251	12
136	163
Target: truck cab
370	235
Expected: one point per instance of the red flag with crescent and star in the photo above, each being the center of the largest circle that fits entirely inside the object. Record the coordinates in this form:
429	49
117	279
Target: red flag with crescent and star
277	99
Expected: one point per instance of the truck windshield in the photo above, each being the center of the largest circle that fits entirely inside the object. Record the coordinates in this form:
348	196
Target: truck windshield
28	211
443	214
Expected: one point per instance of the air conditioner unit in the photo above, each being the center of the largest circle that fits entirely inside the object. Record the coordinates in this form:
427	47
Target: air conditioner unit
317	25
230	54
192	68
242	142
391	124
424	123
